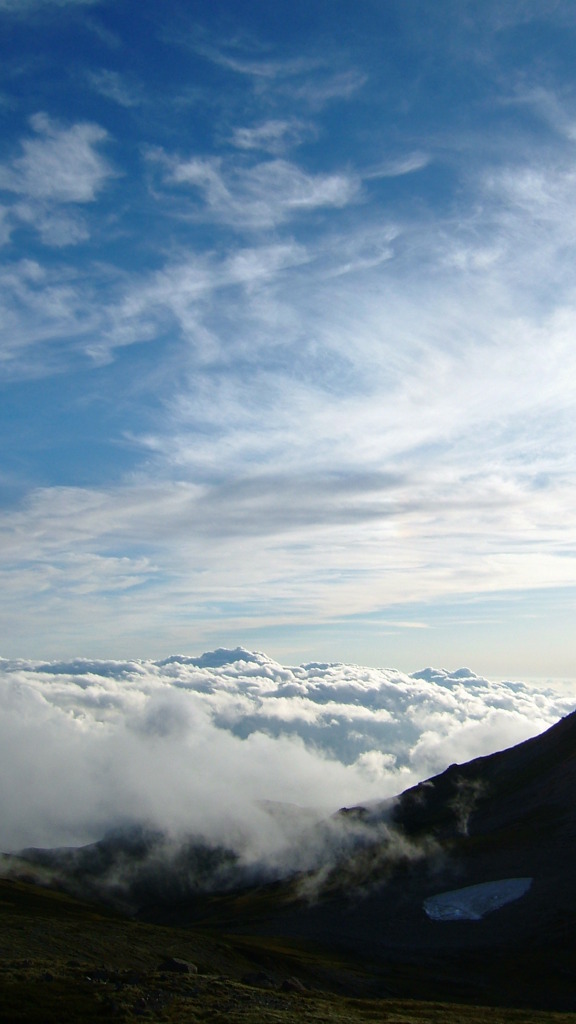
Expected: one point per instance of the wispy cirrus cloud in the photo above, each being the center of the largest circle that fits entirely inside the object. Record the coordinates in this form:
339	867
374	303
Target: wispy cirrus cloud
247	57
348	319
263	195
5	225
318	91
50	316
47	315
313	79
407	164
304	546
556	111
273	136
308	80
114	87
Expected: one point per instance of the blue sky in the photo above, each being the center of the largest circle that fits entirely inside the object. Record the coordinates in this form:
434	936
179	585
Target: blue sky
288	316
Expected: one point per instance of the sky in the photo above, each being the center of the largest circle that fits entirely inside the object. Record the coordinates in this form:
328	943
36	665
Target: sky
287	348
178	745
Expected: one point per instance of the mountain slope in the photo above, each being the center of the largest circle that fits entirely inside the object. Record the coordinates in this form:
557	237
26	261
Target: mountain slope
510	815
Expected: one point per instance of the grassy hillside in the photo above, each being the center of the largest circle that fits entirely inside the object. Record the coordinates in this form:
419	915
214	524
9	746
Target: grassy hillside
63	961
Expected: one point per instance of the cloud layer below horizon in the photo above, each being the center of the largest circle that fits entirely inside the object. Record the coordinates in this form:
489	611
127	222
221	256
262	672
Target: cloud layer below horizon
203	745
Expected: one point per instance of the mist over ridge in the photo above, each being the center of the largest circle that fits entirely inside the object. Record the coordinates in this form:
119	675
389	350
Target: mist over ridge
207	745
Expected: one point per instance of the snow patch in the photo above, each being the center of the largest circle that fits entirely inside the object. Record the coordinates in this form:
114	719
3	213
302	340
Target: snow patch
475	901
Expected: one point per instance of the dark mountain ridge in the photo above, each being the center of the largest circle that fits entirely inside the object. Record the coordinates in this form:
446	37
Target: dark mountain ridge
503	816
507	815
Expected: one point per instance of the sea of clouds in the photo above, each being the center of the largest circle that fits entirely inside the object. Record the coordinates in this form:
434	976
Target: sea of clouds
228	745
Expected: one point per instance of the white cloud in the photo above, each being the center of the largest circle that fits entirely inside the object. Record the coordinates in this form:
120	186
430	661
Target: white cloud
56	227
318	91
185	294
264	195
395	422
194	744
42	308
407	164
348	420
5	225
309	80
57	167
58	164
553	109
247	57
273	136
114	87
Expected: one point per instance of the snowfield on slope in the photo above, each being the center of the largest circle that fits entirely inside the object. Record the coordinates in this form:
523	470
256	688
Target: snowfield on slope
475	901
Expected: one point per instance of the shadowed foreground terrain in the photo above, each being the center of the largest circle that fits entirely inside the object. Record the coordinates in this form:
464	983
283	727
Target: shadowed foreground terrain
347	940
65	961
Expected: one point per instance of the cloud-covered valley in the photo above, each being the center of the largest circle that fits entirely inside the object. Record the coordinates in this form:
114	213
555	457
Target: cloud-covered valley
211	746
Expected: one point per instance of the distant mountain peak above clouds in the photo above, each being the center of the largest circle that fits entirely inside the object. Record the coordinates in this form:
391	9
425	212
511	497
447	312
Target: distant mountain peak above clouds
443	675
219	658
